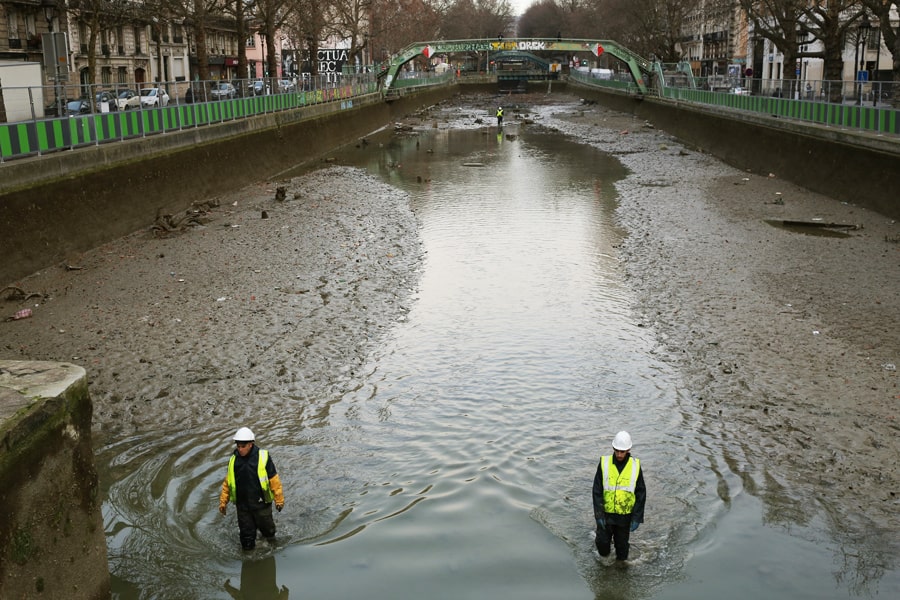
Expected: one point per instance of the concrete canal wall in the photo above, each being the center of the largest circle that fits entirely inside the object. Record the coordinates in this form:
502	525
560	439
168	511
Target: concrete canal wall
52	543
848	165
58	205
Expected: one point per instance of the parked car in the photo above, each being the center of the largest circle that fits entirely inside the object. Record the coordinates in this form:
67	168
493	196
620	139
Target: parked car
258	87
82	106
286	85
108	97
223	90
152	97
123	98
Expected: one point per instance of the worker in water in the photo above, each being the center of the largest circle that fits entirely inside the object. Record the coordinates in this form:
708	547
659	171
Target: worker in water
252	483
500	116
619	497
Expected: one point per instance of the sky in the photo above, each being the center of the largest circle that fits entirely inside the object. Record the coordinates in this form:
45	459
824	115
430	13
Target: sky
520	6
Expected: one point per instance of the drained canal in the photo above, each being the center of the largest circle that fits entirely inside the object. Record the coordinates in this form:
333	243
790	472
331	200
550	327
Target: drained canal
457	458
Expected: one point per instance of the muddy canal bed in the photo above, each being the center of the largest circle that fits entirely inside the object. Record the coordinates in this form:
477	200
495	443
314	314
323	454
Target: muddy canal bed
776	351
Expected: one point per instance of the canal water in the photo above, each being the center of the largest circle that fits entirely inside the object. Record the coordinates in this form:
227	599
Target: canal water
460	463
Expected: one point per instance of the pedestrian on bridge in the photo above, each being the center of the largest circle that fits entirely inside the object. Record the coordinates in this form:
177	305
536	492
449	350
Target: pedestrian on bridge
619	497
500	116
252	483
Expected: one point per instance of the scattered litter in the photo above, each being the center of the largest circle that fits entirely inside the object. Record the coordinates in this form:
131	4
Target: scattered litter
815	332
222	299
22	314
818	222
890	367
473	164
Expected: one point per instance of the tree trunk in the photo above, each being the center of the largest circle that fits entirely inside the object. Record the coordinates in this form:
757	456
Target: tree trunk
270	45
241	25
200	37
834	72
2	105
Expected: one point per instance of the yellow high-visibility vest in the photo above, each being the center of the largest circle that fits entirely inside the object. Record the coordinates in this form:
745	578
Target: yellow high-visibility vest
268	494
618	488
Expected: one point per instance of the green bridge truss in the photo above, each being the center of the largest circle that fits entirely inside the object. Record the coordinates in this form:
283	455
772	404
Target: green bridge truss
639	67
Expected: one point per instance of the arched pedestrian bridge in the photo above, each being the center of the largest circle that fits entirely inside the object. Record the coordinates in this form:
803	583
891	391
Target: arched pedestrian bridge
640	68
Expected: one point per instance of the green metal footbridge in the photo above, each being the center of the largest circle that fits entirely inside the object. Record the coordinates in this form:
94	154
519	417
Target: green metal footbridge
640	68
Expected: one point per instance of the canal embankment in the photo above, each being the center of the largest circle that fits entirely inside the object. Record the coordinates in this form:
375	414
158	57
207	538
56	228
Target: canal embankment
846	164
58	205
52	543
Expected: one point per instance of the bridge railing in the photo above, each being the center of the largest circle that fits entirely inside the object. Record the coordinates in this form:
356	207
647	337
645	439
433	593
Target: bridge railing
47	119
411	79
618	81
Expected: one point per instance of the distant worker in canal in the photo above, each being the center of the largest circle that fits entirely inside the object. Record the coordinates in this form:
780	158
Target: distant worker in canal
252	483
500	116
619	497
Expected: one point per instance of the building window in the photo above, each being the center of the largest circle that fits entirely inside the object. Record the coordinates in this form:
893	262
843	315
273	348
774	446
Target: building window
12	23
122	75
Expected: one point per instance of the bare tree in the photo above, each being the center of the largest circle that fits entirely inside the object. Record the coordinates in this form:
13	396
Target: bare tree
542	20
304	26
476	19
881	10
349	21
101	18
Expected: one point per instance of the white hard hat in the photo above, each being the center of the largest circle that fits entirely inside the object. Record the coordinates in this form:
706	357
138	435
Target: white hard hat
244	435
622	441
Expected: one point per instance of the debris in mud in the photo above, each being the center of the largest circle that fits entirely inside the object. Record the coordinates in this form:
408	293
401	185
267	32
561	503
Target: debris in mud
280	193
22	314
194	216
17	294
822	224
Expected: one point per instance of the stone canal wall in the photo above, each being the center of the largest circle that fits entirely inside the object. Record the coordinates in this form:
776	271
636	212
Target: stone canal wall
848	165
52	543
59	205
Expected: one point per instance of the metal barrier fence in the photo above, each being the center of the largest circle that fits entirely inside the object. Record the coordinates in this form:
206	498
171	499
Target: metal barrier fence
789	99
115	114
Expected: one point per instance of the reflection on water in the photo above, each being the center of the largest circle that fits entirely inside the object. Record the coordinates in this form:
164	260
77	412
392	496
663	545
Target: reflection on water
459	460
258	582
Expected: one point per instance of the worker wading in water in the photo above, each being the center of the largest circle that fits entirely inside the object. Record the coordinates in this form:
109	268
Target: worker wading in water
500	116
619	497
252	483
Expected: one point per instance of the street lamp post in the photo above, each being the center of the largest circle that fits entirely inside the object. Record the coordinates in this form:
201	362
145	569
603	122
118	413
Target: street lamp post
876	91
862	34
50	8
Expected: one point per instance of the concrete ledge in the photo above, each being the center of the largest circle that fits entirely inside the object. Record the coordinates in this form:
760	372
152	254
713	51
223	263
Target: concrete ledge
52	543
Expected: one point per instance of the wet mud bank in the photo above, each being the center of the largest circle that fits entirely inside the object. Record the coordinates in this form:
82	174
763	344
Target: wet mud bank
787	339
94	195
844	164
787	342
